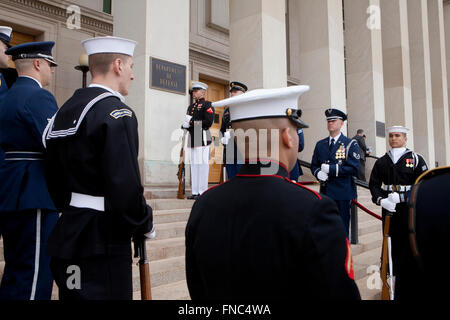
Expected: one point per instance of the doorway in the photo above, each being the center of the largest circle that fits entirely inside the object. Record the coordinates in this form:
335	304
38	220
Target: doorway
216	91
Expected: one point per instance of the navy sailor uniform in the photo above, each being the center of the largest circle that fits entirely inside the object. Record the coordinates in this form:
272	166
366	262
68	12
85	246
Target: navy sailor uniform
27	212
343	159
93	176
265	245
386	174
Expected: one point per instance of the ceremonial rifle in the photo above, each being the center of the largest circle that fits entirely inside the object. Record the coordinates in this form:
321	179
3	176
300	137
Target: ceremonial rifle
387	292
182	171
140	252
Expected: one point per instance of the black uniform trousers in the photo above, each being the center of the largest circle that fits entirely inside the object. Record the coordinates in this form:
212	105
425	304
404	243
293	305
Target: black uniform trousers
27	273
344	211
100	277
405	267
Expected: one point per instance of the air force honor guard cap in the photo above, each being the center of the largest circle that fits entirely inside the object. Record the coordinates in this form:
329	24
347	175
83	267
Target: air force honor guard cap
196	85
5	35
238	86
33	50
335	114
109	45
266	103
398	129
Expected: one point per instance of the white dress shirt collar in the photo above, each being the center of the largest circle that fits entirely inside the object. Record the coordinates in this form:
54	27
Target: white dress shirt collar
335	138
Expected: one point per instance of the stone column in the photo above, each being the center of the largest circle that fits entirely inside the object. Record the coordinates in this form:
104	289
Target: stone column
422	100
364	66
258	43
162	32
439	82
319	48
396	63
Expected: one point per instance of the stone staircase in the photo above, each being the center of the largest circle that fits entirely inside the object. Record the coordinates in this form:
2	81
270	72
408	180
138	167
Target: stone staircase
166	251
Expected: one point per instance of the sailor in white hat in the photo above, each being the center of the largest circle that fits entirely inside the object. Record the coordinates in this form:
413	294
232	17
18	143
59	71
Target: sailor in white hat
199	118
92	150
5	38
391	180
249	247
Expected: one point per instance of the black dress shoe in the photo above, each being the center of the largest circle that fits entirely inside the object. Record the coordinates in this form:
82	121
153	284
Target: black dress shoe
193	197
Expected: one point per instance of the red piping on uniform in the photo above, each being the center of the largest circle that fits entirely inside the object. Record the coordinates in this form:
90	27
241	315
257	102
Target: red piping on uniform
213	187
300	185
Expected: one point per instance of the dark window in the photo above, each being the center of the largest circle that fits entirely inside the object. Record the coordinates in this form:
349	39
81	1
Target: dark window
107	6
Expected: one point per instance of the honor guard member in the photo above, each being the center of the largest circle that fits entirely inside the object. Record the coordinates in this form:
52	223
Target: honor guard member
199	118
5	38
390	185
27	212
275	239
335	161
231	156
429	224
94	179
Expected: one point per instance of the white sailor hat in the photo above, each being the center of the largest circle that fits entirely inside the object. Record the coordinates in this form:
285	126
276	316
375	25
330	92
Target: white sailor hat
266	103
398	129
199	85
5	35
109	45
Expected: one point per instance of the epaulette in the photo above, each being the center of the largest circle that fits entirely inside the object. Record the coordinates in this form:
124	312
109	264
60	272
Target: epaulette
306	188
432	173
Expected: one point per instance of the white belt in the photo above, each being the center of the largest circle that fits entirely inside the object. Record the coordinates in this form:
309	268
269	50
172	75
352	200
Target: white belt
401	188
86	201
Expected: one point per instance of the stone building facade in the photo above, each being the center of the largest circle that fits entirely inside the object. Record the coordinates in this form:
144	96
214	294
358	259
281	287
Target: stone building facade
384	62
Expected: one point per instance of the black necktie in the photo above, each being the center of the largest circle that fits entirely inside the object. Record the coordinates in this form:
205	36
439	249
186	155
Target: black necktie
332	144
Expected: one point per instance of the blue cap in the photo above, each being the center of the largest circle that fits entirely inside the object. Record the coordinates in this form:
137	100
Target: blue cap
5	35
33	50
238	86
335	114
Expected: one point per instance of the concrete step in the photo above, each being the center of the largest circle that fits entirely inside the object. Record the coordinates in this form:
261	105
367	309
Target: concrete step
370	241
170	230
369	226
164	193
170	204
172	291
166	248
366	292
162	272
171	216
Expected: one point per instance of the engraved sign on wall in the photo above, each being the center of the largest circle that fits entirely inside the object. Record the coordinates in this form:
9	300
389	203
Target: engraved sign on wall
167	76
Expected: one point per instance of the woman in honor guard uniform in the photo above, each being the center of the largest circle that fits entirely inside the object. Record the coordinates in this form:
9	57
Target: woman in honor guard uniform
275	239
93	177
390	185
199	118
335	161
27	213
231	156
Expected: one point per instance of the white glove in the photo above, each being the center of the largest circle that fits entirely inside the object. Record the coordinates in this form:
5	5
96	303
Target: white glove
388	205
394	197
227	135
150	235
185	125
325	168
322	176
224	141
188	118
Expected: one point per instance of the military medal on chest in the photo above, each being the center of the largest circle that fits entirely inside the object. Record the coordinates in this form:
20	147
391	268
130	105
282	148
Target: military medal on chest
340	154
410	163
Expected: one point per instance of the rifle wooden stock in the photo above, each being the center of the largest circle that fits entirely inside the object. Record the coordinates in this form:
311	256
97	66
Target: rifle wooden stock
385	291
144	269
181	172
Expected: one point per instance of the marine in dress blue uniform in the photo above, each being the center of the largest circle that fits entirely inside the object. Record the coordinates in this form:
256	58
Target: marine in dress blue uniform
334	163
27	212
262	244
231	155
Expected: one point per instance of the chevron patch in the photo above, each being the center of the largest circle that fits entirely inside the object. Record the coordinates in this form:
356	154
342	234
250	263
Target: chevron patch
120	113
